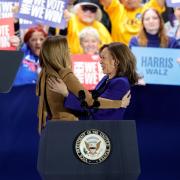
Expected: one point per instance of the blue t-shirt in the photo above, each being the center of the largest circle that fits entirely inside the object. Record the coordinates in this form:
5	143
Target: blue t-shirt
27	73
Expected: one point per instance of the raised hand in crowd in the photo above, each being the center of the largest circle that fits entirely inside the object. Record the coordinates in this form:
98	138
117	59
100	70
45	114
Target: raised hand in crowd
105	3
57	85
67	15
15	41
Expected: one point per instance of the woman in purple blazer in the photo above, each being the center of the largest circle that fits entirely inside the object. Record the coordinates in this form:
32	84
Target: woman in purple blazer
119	65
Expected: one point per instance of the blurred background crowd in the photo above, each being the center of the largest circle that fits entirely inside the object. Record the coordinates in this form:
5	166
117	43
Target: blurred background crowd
92	23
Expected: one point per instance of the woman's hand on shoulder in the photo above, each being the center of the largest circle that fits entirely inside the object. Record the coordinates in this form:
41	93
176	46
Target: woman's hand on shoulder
57	85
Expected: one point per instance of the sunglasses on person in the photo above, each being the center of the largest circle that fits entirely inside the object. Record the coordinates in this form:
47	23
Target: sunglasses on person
91	8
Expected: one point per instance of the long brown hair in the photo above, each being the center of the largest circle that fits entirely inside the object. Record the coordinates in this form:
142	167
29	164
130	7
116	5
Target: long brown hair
125	60
55	53
54	56
142	37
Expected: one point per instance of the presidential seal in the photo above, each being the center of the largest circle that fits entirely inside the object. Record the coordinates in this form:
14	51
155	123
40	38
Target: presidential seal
92	146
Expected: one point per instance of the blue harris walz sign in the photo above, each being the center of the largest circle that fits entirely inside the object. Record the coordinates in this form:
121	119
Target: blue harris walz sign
158	65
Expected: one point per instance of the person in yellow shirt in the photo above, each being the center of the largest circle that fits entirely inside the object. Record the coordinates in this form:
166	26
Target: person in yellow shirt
87	13
125	16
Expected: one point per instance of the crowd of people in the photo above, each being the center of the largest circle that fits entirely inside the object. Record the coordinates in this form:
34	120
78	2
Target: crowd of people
134	23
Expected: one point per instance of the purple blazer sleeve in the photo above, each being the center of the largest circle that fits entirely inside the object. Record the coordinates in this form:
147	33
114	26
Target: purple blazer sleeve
72	102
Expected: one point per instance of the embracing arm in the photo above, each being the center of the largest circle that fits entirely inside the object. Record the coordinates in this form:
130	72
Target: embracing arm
75	86
108	103
15	41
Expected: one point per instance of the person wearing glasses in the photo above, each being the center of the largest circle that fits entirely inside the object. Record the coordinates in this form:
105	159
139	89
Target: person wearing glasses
125	16
87	13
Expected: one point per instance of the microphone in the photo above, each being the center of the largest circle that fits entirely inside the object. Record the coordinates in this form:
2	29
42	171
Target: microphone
82	97
95	96
84	105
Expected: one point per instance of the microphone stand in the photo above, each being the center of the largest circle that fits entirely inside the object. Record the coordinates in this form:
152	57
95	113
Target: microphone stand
84	104
96	103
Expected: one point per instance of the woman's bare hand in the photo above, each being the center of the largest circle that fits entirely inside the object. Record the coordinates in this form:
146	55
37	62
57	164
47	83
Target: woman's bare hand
67	15
126	99
57	85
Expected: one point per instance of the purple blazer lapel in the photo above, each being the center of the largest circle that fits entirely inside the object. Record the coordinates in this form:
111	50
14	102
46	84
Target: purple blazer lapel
101	82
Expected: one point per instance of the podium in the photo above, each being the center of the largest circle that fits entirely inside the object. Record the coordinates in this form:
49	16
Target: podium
70	150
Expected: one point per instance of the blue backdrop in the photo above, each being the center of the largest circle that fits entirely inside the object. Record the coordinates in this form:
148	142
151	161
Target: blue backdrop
156	110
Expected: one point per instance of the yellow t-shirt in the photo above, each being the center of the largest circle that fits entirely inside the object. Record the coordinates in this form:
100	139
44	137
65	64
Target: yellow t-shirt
75	26
126	23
